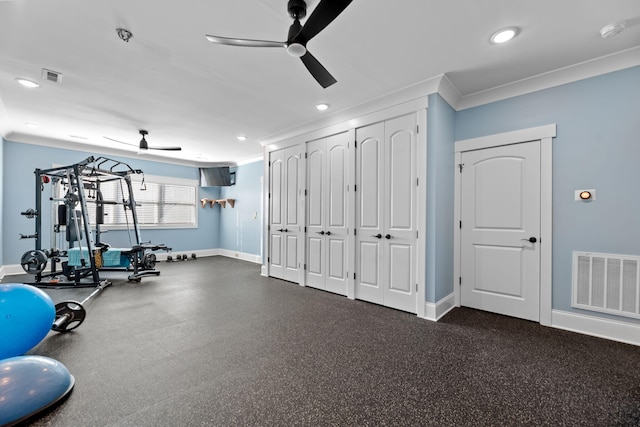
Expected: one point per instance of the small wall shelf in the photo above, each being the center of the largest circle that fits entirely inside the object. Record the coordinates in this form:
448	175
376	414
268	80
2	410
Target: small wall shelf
221	202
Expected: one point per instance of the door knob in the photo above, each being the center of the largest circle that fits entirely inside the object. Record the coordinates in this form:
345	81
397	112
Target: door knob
328	233
530	239
388	236
377	236
320	232
280	230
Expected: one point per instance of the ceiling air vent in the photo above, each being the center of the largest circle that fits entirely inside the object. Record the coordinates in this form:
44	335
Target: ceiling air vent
52	76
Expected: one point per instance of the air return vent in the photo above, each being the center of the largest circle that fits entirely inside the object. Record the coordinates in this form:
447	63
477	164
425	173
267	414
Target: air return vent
607	283
52	76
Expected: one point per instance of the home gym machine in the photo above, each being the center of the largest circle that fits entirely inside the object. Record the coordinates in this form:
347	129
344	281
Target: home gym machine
73	188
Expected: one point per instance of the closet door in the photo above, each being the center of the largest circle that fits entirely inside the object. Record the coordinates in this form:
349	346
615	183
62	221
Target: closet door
327	168
386	213
285	229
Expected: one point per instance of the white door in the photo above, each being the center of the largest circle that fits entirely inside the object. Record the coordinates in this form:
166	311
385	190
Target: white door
327	170
386	213
500	230
285	230
276	214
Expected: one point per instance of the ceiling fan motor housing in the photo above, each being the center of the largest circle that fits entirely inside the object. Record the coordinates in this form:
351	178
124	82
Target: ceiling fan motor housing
297	9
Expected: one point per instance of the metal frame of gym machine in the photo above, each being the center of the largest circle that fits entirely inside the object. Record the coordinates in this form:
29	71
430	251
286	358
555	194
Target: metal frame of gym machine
86	175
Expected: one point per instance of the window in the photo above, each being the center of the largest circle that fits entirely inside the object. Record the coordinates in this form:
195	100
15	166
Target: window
162	202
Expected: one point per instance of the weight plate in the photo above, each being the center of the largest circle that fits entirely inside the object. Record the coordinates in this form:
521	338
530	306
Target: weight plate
148	261
69	315
34	262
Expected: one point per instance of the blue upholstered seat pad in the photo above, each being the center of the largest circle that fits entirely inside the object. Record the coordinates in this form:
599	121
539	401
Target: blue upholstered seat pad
113	257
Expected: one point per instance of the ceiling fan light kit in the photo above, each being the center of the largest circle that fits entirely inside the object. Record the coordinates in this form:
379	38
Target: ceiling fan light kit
299	35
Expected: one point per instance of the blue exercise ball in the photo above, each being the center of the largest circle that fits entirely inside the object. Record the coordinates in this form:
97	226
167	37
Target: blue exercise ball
29	385
26	316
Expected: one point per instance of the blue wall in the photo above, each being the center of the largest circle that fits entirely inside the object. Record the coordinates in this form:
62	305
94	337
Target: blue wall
19	162
240	226
597	146
2	181
440	192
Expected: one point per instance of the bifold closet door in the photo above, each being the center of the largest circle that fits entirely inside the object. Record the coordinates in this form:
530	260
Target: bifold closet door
386	213
285	230
327	169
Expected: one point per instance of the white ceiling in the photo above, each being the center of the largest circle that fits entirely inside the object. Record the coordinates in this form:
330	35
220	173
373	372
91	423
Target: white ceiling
169	80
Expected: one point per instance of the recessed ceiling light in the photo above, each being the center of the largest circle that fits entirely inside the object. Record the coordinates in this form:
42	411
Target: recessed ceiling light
32	125
612	29
322	107
504	35
27	83
241	138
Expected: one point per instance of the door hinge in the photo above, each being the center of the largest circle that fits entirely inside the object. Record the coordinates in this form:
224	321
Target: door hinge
416	287
269	163
268	259
418	182
305	229
460	280
460	165
269	195
417	128
305	266
355	187
355	232
461	225
355	144
305	192
417	235
305	155
354	276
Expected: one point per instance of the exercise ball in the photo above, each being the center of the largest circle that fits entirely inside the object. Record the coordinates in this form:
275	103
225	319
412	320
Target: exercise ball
26	316
30	384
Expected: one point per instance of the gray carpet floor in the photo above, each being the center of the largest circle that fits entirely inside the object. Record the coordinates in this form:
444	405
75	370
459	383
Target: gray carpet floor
212	343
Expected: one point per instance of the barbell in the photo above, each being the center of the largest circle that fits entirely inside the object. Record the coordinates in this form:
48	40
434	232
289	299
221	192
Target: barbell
70	314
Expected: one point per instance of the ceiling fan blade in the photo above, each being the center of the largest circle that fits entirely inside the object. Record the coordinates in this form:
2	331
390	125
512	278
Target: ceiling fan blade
121	142
244	42
322	15
317	70
166	148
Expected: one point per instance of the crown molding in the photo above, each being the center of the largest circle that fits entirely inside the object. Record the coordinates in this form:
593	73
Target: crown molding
583	70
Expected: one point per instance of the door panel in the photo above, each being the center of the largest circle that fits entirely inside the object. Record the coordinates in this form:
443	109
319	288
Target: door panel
327	170
276	216
293	228
284	221
386	213
500	211
369	213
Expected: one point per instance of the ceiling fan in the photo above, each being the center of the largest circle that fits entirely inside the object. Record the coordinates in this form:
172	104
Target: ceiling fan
143	143
299	35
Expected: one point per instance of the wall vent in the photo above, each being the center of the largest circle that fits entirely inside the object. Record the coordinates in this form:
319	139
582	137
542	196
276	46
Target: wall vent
607	283
52	76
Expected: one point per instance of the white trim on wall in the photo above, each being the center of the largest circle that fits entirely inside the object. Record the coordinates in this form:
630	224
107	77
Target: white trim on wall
583	70
596	326
435	311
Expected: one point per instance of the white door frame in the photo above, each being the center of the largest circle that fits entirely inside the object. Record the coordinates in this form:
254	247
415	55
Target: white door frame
545	135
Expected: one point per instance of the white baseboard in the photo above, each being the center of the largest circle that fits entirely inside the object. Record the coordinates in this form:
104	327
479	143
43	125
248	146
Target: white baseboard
596	326
435	311
264	271
12	270
241	255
